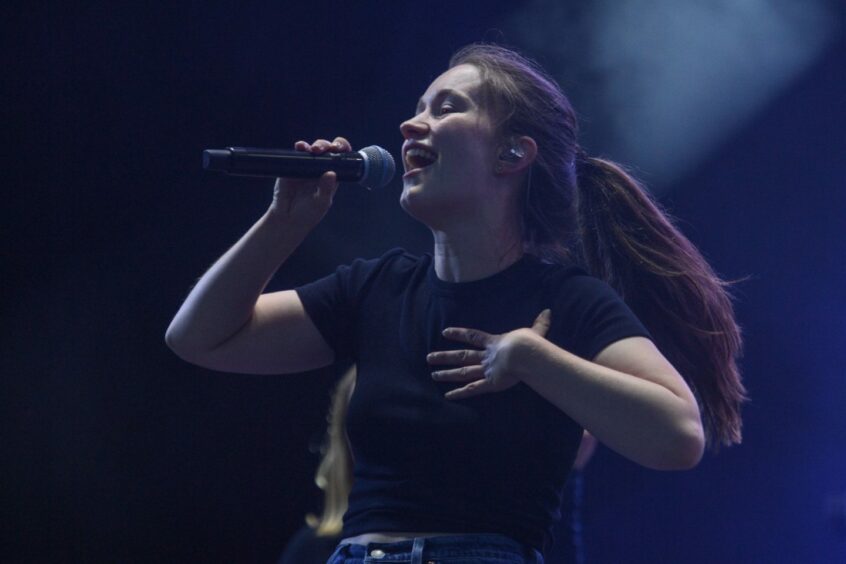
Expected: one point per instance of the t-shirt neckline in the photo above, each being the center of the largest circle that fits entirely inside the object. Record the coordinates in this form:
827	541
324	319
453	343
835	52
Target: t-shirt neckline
503	278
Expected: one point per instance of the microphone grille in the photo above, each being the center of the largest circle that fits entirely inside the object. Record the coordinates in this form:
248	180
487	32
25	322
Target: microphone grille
379	167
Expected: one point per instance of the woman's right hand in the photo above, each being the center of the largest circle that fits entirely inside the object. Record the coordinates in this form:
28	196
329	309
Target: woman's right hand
306	200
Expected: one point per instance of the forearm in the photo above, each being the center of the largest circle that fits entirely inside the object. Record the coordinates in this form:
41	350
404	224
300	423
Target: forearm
640	419
223	299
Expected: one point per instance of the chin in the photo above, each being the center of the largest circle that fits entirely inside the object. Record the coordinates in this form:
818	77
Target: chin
412	202
426	207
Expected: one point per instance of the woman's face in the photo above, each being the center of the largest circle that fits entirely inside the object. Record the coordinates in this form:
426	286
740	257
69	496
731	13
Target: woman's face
449	151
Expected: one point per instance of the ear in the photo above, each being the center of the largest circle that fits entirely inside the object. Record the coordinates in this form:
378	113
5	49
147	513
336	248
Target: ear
516	155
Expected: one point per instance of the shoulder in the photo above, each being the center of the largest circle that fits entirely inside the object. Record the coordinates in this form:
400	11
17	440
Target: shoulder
394	264
394	257
396	260
400	259
572	282
589	309
578	291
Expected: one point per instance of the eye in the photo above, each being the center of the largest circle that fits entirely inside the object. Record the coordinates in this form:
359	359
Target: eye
445	109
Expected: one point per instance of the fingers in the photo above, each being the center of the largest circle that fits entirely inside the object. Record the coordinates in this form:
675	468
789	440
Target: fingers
470	390
321	146
542	322
339	145
456	358
327	184
343	144
463	374
470	336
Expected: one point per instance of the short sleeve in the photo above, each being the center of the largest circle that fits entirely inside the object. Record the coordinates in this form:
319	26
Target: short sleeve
332	302
598	316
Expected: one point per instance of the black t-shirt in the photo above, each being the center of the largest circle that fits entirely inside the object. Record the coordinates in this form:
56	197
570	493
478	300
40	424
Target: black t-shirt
490	463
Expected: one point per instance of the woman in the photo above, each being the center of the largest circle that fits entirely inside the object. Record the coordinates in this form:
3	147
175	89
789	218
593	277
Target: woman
479	366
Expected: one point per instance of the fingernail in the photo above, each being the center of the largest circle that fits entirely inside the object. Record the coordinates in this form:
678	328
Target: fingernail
436	375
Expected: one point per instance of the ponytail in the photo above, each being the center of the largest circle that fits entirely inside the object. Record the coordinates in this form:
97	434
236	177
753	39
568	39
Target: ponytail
590	211
631	242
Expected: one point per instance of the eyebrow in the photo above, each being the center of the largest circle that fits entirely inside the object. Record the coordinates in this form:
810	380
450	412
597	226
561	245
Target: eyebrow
440	94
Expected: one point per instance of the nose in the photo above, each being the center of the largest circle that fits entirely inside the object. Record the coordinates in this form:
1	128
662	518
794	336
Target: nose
414	128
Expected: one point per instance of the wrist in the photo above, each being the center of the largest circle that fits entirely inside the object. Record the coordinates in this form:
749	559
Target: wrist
290	226
526	353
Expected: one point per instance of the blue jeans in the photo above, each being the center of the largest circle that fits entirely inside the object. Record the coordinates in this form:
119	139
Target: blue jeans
481	548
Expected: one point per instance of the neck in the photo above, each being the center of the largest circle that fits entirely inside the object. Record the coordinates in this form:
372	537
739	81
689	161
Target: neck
468	253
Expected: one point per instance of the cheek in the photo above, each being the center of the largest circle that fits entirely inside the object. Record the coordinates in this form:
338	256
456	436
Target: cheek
469	139
469	156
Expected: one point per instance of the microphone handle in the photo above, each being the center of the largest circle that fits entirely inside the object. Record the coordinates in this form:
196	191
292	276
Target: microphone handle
247	161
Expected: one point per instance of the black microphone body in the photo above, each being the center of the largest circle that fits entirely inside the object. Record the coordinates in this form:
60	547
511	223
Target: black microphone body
371	167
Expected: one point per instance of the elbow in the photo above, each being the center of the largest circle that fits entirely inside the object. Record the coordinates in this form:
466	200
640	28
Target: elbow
685	444
176	342
686	449
173	342
172	338
691	452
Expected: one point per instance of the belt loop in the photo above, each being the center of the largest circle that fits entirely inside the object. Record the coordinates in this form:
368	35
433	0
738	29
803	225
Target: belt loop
417	550
341	552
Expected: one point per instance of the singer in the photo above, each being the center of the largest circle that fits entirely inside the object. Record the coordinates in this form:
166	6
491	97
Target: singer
559	297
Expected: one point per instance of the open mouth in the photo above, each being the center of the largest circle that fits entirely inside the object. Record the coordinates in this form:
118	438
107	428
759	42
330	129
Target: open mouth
419	158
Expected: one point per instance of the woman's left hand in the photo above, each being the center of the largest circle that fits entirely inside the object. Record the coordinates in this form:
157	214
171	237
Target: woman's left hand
493	368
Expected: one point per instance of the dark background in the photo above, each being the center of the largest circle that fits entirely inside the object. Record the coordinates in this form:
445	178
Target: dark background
115	450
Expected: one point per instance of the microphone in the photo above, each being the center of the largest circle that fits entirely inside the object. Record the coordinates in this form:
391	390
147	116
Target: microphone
371	167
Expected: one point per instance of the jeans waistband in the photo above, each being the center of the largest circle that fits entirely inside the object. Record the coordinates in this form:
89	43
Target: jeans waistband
421	550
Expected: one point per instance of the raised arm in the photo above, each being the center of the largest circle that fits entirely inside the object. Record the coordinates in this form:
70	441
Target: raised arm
226	323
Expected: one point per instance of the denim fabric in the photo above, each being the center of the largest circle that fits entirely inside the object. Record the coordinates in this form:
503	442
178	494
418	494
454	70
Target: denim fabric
483	548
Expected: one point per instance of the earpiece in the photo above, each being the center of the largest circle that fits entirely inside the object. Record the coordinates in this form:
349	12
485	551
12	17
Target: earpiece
512	155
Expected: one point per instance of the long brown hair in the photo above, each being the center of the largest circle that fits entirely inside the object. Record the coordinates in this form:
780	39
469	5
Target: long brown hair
588	210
